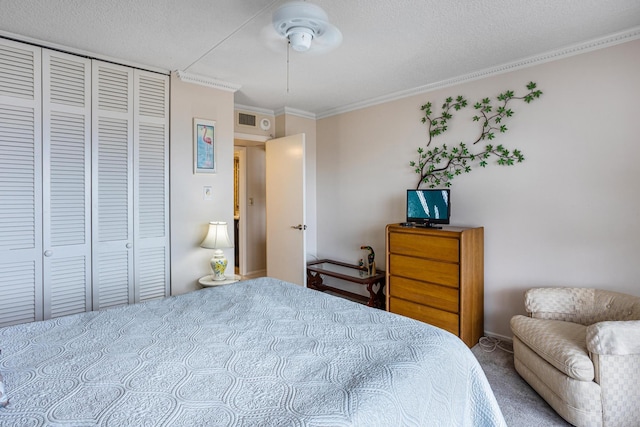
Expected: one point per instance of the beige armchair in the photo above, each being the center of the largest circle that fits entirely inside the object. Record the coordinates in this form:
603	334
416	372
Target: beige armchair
580	350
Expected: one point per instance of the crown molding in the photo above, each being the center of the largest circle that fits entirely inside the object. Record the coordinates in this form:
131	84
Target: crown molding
295	112
207	81
595	44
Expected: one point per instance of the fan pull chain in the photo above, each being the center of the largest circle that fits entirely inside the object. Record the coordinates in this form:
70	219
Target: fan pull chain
288	48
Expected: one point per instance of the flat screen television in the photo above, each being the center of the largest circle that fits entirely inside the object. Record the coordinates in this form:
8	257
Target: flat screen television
428	207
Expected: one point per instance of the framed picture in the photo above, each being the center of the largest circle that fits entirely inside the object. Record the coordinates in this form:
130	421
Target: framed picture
204	146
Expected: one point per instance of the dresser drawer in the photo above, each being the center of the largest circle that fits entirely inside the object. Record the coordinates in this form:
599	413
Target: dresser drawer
442	319
440	273
437	248
441	297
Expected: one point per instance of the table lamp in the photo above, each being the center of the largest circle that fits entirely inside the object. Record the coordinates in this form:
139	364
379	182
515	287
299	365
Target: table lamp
217	238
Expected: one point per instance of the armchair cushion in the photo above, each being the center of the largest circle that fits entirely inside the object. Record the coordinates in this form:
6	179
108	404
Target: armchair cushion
562	344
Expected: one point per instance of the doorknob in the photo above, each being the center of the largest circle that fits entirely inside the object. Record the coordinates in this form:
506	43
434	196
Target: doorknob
48	253
299	227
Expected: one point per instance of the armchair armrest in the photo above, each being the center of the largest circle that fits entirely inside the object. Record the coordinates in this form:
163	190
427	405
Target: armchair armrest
614	338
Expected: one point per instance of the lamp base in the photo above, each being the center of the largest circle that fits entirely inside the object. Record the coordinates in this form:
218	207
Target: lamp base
218	266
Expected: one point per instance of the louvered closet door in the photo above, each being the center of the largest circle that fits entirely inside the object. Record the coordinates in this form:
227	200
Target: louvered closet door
20	183
66	127
151	189
112	219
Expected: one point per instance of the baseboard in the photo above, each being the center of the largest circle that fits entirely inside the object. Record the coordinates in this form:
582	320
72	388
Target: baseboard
254	274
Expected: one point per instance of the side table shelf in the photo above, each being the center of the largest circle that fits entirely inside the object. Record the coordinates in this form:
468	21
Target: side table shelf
207	281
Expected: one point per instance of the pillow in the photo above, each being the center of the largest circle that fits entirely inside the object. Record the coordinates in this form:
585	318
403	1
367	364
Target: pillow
4	400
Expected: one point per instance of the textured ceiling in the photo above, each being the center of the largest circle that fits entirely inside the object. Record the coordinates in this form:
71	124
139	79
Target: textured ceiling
389	46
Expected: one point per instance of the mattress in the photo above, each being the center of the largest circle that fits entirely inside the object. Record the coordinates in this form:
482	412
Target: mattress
256	352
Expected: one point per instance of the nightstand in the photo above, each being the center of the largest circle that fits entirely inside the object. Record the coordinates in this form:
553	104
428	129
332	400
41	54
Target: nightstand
207	281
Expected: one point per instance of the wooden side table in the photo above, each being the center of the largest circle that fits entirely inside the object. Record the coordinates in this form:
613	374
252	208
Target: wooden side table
351	273
207	281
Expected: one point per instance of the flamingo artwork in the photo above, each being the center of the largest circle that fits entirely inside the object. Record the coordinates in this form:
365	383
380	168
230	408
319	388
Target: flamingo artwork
205	158
206	138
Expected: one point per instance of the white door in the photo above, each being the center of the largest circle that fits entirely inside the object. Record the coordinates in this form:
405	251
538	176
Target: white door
151	185
112	153
20	183
66	195
285	202
130	184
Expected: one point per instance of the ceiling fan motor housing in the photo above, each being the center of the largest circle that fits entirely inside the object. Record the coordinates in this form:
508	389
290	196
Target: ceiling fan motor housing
300	22
300	38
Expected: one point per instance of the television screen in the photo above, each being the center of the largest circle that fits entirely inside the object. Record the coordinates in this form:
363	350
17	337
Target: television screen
427	207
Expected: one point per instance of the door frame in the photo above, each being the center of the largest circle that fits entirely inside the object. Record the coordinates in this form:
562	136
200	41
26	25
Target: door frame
242	207
242	196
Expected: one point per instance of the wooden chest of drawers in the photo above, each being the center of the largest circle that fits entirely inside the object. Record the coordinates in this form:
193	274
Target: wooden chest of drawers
437	276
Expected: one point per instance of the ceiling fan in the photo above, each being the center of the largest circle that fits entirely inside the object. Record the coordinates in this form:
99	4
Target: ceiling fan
306	28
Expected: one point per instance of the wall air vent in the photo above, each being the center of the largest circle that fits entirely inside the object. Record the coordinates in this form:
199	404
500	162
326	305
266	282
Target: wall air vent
246	119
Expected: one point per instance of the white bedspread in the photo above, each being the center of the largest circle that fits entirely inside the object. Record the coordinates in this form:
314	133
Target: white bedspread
259	352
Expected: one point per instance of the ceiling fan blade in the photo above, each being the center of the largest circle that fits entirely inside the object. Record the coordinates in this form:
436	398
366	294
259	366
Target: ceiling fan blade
273	40
328	40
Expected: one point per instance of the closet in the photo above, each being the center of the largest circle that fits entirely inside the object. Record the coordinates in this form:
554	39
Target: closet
83	184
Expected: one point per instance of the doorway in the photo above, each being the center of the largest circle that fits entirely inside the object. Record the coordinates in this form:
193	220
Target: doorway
236	207
249	206
286	185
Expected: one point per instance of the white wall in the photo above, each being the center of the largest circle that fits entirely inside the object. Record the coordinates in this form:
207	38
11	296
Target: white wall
568	216
190	213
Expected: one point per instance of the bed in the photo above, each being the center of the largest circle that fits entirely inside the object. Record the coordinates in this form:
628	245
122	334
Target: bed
258	352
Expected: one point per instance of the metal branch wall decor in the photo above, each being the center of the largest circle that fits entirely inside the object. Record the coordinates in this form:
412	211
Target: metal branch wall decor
438	166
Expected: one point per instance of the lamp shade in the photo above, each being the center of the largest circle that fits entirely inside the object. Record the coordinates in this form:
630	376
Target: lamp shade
217	236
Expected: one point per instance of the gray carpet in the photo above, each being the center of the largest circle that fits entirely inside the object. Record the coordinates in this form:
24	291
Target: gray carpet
520	404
